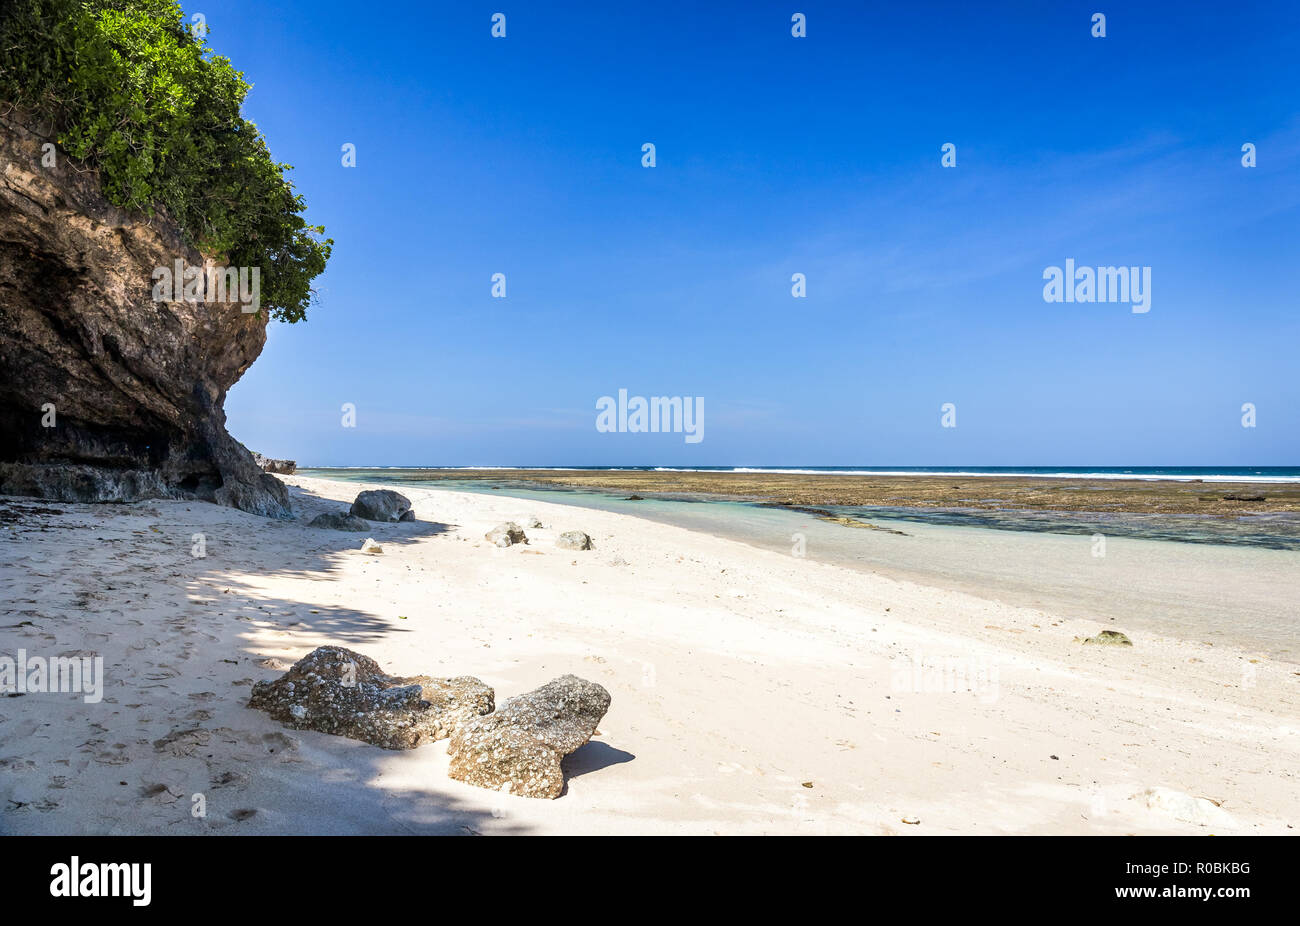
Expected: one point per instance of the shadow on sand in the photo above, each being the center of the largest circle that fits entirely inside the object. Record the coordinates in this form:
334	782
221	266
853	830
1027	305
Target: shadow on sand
176	635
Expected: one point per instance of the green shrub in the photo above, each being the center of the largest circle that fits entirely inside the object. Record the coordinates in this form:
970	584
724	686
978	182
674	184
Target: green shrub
132	92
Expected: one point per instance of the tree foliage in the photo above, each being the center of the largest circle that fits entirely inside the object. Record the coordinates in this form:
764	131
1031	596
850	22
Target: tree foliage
135	93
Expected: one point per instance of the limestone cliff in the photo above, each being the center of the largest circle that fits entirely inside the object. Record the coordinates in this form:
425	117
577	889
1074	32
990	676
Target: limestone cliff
133	388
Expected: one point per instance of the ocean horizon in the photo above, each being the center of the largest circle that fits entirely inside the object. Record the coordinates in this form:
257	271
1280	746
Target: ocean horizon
1280	474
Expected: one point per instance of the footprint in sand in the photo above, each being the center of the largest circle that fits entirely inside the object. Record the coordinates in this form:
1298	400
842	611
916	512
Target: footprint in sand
183	743
162	793
228	779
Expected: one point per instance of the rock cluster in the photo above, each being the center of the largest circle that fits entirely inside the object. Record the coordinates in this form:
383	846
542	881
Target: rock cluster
519	747
335	690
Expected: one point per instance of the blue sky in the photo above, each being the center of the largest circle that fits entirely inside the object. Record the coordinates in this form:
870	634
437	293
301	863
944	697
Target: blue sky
778	155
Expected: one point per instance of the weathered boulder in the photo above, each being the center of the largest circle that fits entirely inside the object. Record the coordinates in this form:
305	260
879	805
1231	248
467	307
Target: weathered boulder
335	690
339	521
105	394
574	540
522	744
382	505
268	465
503	535
531	521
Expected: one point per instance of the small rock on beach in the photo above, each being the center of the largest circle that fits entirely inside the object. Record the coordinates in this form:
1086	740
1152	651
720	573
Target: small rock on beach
504	535
339	521
1106	638
574	540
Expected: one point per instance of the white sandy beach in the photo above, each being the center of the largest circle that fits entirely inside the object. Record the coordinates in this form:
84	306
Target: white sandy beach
737	676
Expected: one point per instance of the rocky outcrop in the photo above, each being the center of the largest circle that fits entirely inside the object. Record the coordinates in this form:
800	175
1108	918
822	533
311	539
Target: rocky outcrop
105	394
504	535
335	690
268	465
574	540
522	744
382	505
339	521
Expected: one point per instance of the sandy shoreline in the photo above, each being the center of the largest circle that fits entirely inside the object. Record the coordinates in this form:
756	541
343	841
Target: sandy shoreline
737	675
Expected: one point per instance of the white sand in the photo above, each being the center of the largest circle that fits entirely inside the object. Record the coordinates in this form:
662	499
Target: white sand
736	674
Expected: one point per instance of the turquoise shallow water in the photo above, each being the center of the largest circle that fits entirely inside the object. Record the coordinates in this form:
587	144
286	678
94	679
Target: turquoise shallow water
1235	582
1276	531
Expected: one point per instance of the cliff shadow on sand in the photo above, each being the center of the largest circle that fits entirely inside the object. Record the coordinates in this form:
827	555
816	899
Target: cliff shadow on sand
183	638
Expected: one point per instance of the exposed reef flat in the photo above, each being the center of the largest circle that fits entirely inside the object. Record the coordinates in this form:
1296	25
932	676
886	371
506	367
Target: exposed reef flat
799	490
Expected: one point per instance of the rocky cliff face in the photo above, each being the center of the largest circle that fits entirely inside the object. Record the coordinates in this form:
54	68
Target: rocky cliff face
105	394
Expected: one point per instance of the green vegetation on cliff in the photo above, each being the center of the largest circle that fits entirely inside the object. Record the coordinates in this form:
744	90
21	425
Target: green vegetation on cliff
133	91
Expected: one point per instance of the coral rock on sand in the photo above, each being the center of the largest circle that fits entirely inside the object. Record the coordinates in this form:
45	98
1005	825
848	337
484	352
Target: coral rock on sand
335	690
1106	638
383	505
521	745
531	521
371	547
503	535
574	540
339	521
